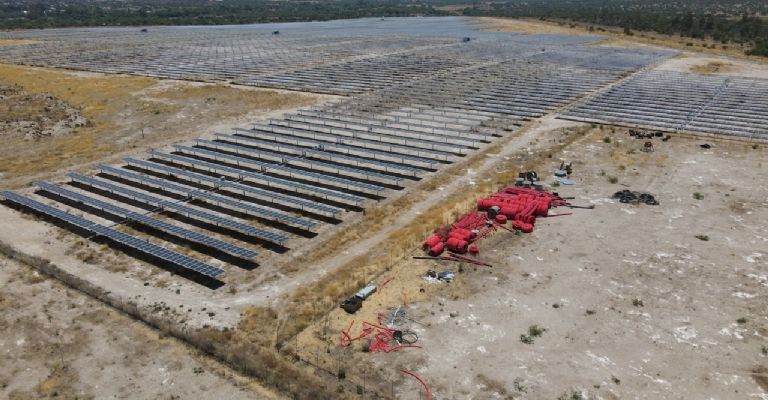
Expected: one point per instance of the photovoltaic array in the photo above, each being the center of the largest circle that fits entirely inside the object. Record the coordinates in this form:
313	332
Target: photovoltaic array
415	98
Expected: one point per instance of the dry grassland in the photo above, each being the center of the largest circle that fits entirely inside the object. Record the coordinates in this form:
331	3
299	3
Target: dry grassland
712	68
16	42
125	114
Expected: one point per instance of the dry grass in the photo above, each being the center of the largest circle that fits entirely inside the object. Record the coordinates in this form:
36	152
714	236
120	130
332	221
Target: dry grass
246	349
126	113
218	94
16	42
525	25
712	67
101	99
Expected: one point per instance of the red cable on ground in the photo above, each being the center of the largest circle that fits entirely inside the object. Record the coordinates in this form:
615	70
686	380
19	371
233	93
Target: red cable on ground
418	378
381	287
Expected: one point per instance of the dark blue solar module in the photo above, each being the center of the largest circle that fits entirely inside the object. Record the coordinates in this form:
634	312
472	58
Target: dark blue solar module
117	236
180	208
256	192
149	221
208	197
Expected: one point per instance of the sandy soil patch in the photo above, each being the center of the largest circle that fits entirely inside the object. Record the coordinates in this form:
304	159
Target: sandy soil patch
58	343
701	64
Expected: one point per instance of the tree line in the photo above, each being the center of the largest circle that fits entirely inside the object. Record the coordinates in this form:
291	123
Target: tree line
744	22
726	21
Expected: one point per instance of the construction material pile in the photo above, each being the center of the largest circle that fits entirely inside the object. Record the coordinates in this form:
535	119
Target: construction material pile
628	196
382	338
519	205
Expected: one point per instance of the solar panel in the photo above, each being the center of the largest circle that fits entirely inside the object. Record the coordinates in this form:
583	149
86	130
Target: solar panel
149	221
354	141
210	197
337	147
264	179
312	164
256	192
324	155
201	215
271	167
117	236
143	179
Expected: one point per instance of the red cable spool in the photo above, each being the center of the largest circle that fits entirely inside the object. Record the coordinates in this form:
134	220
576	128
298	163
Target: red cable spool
461	234
456	245
522	226
431	242
501	219
437	249
543	208
473	249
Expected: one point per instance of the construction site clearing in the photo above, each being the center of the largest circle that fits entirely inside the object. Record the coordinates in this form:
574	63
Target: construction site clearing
445	212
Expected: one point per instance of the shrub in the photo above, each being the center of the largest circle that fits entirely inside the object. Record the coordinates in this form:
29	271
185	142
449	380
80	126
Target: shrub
606	139
703	238
613	179
698	196
536	331
638	303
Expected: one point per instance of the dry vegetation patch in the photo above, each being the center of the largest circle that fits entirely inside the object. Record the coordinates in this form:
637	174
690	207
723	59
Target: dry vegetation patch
16	42
712	67
125	114
36	115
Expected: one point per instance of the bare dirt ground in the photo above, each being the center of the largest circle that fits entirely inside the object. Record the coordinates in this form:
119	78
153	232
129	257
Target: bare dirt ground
58	343
127	114
724	66
627	294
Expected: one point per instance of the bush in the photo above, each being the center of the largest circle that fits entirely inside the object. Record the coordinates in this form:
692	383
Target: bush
612	179
703	238
606	140
698	196
536	331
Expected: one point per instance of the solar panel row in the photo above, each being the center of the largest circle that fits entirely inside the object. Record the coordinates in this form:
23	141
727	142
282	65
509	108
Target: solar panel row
283	170
252	191
180	208
302	162
208	197
149	221
154	250
313	152
267	180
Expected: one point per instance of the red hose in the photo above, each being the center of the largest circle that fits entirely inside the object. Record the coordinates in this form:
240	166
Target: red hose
418	378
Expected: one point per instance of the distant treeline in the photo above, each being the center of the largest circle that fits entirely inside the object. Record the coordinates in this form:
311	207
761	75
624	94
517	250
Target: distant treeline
52	14
728	21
